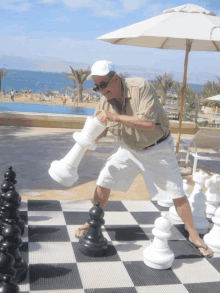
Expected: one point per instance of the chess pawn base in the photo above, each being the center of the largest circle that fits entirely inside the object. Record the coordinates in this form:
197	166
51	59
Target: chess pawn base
93	243
165	203
157	258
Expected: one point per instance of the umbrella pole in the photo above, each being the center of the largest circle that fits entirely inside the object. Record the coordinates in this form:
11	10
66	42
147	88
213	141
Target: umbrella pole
188	47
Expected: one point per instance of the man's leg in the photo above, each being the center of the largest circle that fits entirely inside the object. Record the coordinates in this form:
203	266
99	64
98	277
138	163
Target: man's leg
101	195
184	211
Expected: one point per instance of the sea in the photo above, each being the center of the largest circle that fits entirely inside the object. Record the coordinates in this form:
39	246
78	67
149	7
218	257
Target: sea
41	81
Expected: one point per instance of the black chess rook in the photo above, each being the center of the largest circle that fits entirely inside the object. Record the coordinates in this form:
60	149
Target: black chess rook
12	241
93	243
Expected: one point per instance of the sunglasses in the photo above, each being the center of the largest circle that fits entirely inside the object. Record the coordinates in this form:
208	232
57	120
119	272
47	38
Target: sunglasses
102	85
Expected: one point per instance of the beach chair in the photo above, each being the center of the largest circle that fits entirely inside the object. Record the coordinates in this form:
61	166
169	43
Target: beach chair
203	139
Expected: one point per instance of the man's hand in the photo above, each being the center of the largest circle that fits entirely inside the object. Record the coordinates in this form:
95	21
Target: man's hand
96	141
104	116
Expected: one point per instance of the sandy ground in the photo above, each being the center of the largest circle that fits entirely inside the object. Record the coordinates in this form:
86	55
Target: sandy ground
57	101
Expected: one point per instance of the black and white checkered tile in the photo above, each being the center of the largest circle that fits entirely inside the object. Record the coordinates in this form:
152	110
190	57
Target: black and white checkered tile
56	264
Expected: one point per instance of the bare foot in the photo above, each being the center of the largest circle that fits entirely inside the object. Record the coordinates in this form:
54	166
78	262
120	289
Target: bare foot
82	230
198	241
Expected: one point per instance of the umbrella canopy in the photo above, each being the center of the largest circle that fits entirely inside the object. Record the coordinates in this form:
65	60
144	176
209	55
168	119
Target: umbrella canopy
171	29
214	98
186	27
67	88
90	91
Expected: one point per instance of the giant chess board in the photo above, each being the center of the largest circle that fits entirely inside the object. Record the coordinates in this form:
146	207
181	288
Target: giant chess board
57	266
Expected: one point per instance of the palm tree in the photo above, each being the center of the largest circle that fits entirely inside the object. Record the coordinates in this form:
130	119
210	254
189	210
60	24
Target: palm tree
162	83
70	76
2	74
190	96
124	74
211	88
80	75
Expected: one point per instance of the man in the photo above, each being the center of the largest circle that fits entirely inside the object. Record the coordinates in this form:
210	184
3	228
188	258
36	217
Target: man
12	95
133	113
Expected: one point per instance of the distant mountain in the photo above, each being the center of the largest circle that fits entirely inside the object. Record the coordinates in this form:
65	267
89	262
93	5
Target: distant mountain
59	65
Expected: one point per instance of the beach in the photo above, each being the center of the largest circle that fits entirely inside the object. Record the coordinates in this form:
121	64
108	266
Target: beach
57	101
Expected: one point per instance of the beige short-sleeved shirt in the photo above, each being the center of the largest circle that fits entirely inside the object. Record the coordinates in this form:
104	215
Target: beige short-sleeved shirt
140	100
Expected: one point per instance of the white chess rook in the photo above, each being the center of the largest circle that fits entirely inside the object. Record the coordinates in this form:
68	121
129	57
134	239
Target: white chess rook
212	195
212	239
158	255
65	170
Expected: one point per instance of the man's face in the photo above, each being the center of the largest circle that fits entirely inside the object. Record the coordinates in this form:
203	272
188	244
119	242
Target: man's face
113	87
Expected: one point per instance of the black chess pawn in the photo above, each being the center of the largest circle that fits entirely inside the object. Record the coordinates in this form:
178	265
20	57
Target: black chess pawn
11	205
7	262
11	238
6	186
93	243
11	175
7	285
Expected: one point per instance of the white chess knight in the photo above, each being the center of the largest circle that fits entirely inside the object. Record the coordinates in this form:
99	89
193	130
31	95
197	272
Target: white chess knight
172	211
212	239
158	255
65	170
212	195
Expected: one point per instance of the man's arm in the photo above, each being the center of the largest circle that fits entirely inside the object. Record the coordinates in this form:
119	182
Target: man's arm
130	121
134	122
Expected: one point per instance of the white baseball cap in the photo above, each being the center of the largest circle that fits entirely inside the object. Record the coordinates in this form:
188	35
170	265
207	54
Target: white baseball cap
101	68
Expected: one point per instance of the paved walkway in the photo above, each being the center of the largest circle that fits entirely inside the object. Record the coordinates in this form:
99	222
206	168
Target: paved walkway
30	152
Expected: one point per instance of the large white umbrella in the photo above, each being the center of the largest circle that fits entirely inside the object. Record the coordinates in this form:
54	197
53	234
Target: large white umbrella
187	27
214	98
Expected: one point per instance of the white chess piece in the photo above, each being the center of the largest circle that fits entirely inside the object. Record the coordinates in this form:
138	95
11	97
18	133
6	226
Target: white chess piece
65	170
198	212
172	211
212	239
199	179
158	255
212	195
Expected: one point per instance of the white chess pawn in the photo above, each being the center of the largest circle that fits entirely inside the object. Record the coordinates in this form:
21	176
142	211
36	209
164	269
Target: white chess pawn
212	195
199	179
158	255
212	239
198	212
172	211
65	170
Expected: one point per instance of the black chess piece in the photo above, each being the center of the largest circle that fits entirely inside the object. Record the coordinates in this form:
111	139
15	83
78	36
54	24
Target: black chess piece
6	186
93	243
11	238
7	285
11	175
11	205
7	262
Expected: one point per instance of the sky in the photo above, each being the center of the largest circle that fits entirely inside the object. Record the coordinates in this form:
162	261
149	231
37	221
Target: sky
53	34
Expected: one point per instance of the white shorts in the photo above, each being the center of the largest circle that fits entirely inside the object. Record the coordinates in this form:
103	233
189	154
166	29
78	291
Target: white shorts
158	165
